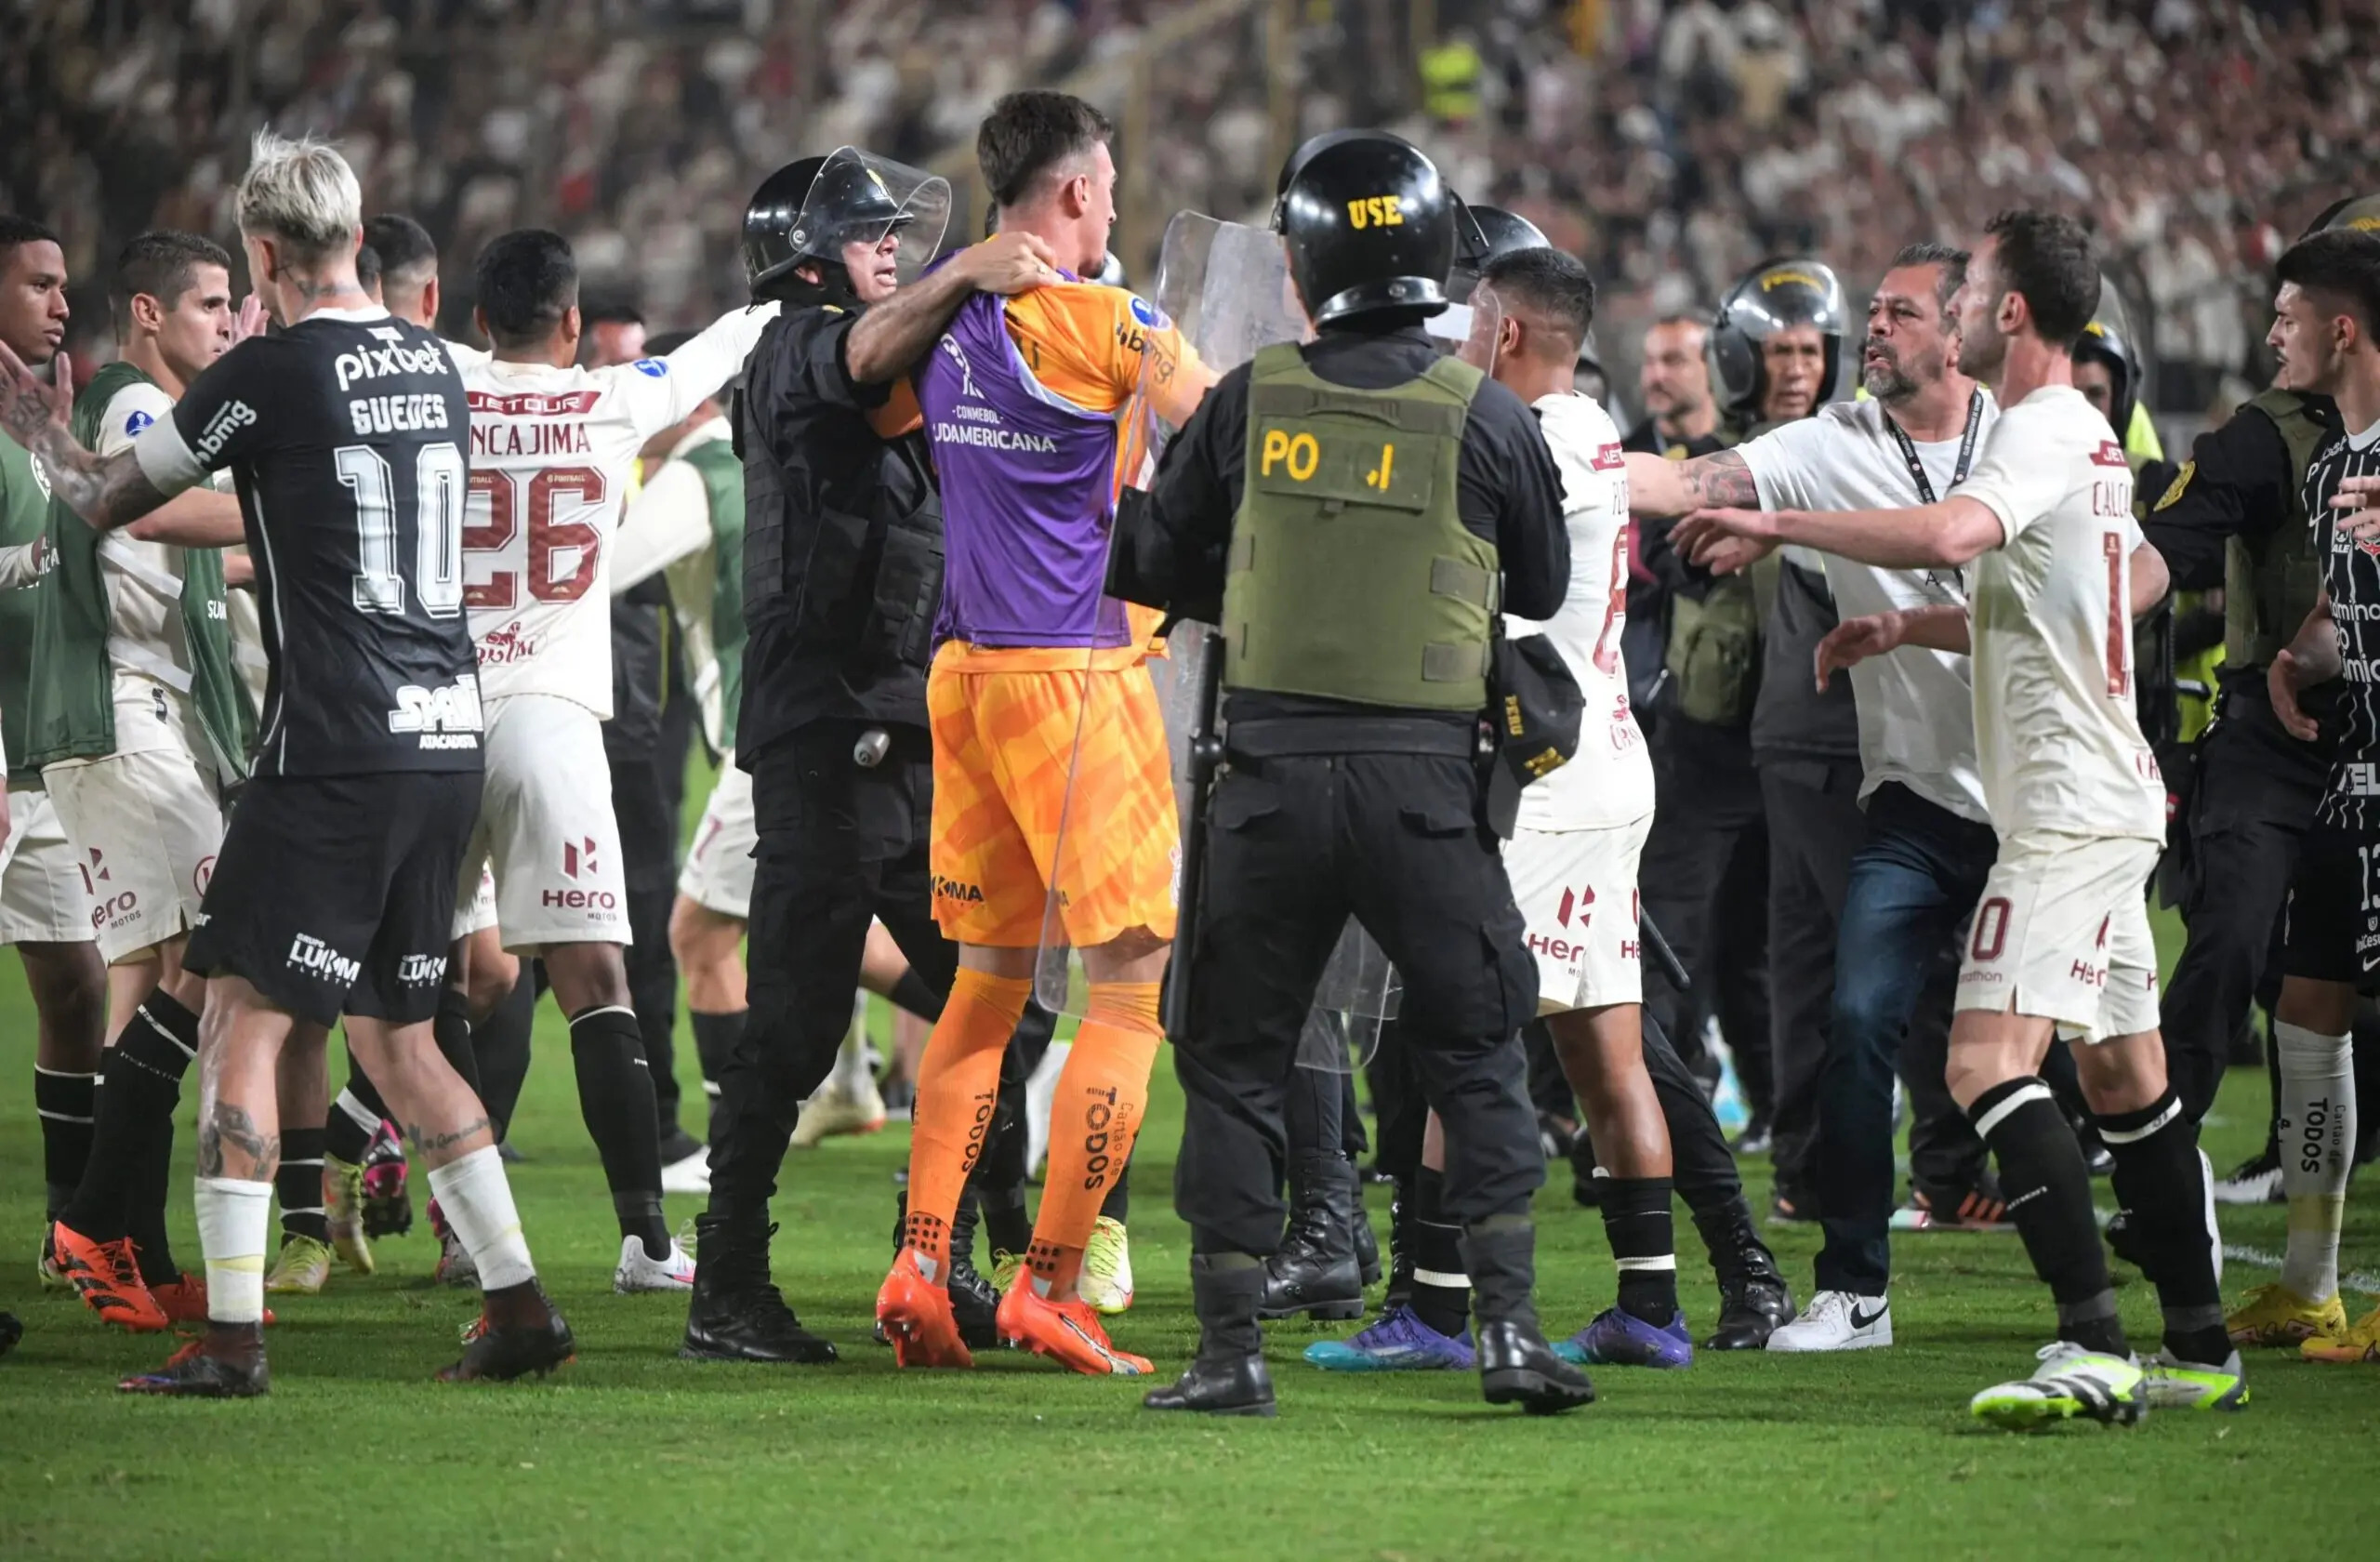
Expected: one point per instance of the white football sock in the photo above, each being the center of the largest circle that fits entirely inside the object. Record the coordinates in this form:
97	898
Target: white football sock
235	1223
2317	1139
477	1200
851	1076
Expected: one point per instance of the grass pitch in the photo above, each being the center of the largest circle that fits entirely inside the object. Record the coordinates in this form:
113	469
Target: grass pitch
631	1452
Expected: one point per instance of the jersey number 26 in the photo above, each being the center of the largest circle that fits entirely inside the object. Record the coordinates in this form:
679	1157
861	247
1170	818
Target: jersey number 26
551	495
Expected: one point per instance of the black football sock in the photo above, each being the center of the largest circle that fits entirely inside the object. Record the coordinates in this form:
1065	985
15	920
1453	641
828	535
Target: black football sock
354	1117
912	994
615	1099
2161	1179
451	1028
1637	1222
1441	1286
2048	1188
716	1038
500	1042
1118	1205
68	1105
144	1073
298	1184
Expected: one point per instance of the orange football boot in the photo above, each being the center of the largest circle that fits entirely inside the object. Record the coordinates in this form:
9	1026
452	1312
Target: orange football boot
107	1277
916	1317
1067	1333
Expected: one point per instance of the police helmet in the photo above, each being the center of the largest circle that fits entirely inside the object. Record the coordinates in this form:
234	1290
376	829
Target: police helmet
1368	223
808	210
1483	235
2103	342
1771	298
2355	211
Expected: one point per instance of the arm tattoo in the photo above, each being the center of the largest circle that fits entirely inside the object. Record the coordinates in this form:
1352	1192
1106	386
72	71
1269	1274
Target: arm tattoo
1720	480
231	1123
107	491
425	1142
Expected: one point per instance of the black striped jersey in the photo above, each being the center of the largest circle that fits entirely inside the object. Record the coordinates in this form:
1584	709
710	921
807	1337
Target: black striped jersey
2351	577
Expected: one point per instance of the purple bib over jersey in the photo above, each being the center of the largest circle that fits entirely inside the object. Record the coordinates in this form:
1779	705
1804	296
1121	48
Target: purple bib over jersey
1027	495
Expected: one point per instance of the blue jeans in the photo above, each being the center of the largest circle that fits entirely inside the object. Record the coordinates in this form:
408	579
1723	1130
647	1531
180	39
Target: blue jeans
1912	887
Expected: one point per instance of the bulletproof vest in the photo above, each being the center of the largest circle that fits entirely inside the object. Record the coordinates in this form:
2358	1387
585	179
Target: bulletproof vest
1351	575
2270	581
1713	655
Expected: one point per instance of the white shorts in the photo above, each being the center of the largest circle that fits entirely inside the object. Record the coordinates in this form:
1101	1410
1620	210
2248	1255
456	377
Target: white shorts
42	898
1577	891
479	910
146	821
2062	934
547	828
717	875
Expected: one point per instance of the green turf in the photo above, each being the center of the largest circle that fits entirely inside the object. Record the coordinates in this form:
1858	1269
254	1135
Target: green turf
631	1452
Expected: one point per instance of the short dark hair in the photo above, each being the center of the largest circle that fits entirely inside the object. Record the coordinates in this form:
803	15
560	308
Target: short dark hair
610	310
164	264
403	244
367	267
1028	134
666	343
1698	318
1950	258
2046	260
526	280
2342	264
1547	283
16	231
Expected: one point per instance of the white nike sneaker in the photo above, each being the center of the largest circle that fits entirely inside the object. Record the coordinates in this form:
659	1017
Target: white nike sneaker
2070	1381
1836	1320
690	1175
838	1109
638	1273
1106	1280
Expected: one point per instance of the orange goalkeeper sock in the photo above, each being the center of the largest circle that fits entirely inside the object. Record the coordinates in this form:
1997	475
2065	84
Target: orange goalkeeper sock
958	1082
1093	1117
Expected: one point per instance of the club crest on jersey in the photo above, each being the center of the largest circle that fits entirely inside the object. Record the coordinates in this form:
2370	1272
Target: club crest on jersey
653	368
137	421
446	716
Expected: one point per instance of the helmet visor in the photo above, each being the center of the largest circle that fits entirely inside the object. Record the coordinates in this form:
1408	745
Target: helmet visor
864	210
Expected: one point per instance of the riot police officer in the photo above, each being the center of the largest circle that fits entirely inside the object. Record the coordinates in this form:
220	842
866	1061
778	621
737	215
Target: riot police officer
2235	519
1354	512
842	571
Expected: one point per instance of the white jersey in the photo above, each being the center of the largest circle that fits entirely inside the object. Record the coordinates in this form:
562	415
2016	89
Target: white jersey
552	454
1916	706
143	579
2052	614
1610	780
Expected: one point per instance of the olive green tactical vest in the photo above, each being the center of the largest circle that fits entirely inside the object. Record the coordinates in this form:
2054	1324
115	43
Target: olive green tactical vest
1713	653
2269	582
1352	575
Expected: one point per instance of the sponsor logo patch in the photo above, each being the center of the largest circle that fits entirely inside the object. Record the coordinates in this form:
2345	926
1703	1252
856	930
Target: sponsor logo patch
137	421
653	368
1142	311
313	956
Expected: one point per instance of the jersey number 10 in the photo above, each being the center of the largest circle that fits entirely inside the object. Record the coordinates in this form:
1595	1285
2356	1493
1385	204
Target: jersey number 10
440	476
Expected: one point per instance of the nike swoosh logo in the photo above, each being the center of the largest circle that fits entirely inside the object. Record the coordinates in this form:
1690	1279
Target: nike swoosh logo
1858	1321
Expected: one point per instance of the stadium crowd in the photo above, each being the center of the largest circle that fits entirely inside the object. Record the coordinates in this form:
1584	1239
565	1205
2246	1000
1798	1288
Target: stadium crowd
1672	145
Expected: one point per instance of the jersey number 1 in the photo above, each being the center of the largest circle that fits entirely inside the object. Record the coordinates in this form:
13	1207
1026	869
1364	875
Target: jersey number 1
441	476
2118	615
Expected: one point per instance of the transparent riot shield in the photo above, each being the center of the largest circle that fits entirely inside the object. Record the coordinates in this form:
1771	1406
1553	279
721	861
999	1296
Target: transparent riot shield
859	203
1223	292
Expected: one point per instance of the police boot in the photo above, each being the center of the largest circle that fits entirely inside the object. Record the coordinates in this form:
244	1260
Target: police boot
1516	1366
1755	1301
735	1314
1316	1272
1227	1376
1366	1245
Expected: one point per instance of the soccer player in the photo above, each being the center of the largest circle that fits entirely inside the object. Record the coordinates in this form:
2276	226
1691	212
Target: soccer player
551	449
2061	945
1024	400
44	910
1906	892
335	886
137	714
2325	318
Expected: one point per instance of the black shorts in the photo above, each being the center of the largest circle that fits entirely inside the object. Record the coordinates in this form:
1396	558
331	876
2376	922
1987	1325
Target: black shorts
2333	925
335	894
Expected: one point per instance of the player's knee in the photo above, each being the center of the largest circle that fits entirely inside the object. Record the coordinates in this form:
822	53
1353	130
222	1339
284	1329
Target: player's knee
588	976
489	981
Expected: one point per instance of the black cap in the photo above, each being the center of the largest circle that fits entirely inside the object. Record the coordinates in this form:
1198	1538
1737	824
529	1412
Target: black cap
1536	709
1370	225
1771	298
808	210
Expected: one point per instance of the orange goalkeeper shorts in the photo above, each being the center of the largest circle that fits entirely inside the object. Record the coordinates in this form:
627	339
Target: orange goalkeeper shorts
1005	832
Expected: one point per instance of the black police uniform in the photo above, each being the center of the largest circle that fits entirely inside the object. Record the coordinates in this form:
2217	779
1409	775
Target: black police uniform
645	806
2255	788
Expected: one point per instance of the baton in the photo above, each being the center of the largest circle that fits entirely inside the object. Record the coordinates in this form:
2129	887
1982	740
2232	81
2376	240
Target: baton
1661	950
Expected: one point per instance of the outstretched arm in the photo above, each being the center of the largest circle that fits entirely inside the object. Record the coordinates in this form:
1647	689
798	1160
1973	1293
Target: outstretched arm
1659	487
893	335
107	492
1949	533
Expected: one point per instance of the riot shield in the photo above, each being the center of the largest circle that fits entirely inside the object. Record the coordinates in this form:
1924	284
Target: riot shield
1224	289
857	198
